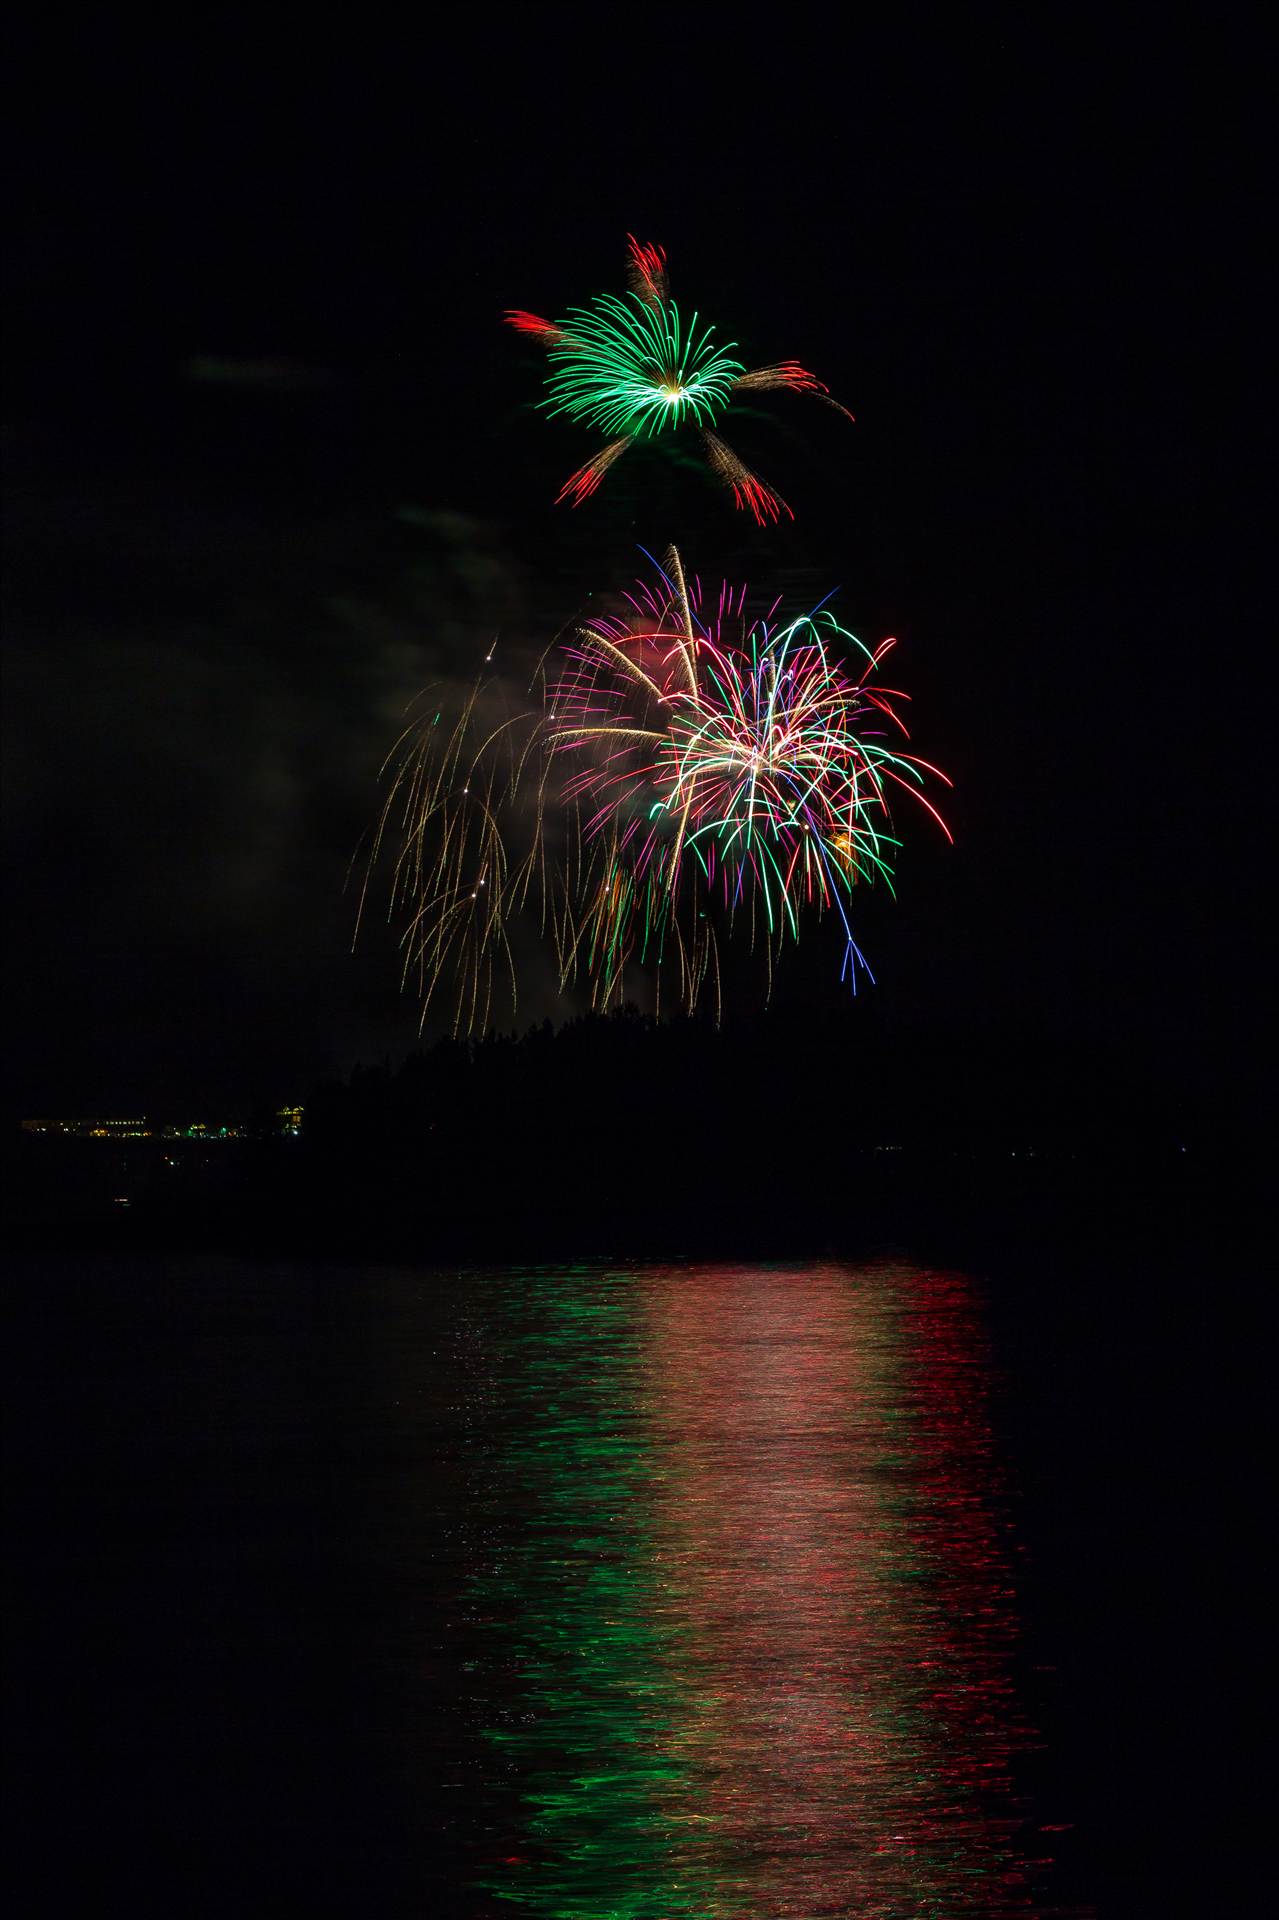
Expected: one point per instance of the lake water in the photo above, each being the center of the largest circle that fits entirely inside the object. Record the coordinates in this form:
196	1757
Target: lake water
580	1592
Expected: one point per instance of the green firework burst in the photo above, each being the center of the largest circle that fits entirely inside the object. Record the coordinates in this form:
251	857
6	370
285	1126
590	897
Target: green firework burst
631	366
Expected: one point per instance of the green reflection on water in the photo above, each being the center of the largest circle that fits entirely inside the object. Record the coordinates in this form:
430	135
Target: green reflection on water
601	1719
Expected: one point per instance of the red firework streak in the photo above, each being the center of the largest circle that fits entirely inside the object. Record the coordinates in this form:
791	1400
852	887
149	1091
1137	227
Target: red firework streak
647	271
532	323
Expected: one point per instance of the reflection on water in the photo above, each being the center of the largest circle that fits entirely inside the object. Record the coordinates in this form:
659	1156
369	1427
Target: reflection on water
745	1642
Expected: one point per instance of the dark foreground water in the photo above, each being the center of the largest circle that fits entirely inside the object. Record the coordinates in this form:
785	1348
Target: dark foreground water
652	1591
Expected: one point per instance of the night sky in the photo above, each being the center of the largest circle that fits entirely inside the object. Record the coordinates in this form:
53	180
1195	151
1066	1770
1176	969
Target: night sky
273	467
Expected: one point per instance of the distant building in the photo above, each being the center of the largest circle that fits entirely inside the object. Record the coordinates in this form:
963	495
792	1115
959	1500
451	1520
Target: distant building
289	1119
200	1130
132	1130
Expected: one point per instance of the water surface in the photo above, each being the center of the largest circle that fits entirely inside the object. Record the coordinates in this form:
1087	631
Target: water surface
592	1592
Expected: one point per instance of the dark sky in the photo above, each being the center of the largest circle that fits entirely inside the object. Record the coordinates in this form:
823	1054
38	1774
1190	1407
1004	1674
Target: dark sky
272	468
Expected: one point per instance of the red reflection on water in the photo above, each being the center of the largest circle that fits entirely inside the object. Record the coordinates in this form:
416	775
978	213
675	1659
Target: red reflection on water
829	1551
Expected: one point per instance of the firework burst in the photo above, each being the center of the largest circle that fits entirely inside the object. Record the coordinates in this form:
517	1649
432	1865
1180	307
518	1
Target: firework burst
730	772
630	366
633	368
687	775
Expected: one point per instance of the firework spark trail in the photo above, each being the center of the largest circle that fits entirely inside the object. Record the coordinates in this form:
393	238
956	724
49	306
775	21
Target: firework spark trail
748	490
453	797
633	368
789	374
582	484
686	775
646	271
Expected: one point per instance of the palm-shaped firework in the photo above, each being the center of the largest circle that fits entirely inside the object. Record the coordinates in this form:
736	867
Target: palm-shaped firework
634	368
